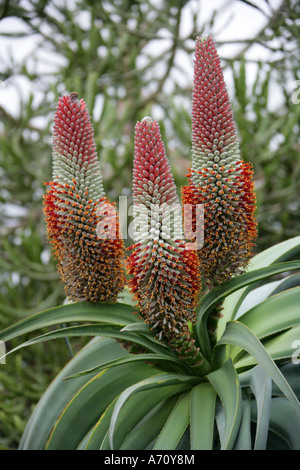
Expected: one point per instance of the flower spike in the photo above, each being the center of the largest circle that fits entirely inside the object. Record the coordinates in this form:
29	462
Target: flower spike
165	275
219	178
78	215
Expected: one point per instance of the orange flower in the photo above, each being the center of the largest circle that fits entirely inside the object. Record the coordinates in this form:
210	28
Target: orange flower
77	212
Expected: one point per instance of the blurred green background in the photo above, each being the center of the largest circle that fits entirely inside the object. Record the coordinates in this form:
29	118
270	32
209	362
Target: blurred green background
128	59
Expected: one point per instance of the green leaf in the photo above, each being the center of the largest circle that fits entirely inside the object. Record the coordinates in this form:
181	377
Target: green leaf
255	297
276	313
203	402
291	372
217	295
226	384
85	408
136	408
175	425
281	346
111	331
138	327
287	283
277	253
243	439
284	422
60	392
160	358
276	443
238	334
155	382
100	429
144	330
146	430
261	293
150	426
116	314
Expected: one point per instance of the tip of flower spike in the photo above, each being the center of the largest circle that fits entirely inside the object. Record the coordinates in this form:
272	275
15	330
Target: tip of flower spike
75	159
147	119
74	97
203	38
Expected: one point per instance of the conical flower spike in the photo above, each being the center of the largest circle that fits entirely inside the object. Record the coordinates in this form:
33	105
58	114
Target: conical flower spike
82	225
219	178
165	275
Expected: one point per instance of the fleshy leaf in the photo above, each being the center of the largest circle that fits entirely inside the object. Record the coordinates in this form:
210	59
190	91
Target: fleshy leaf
82	224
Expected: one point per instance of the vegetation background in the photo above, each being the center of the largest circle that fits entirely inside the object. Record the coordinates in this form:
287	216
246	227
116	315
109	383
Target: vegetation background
128	59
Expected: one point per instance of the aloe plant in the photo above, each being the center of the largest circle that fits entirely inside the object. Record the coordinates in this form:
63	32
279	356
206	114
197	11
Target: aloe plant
199	351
